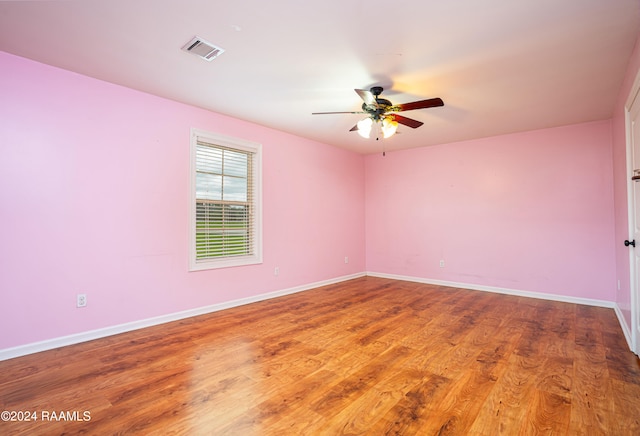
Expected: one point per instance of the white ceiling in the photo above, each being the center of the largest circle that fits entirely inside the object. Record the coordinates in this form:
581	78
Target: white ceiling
500	66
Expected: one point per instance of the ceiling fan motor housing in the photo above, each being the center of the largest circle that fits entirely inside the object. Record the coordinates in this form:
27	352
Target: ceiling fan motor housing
376	111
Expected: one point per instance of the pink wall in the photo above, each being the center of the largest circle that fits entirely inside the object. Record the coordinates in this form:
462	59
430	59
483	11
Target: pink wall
623	296
94	190
94	199
529	212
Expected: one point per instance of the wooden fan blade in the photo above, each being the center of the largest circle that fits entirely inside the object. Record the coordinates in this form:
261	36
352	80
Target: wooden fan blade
422	104
405	121
329	113
354	128
367	97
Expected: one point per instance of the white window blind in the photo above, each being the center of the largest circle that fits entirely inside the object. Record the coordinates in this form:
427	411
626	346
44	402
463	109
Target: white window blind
225	208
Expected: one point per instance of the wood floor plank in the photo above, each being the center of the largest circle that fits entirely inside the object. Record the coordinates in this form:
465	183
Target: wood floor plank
625	406
365	356
458	410
361	416
547	413
359	382
417	409
505	407
592	401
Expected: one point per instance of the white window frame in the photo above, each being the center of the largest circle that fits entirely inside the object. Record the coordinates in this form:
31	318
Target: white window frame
236	144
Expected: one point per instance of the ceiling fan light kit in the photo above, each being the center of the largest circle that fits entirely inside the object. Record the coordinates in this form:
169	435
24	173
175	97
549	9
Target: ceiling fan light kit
389	127
381	111
364	127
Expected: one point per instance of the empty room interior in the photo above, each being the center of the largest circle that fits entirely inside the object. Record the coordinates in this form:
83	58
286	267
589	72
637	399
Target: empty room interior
268	218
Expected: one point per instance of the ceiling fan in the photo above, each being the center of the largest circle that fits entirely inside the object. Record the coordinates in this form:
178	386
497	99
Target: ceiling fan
381	110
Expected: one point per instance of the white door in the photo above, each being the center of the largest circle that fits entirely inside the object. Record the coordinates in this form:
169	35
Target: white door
634	124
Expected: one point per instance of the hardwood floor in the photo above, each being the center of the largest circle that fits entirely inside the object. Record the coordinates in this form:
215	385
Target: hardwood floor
367	356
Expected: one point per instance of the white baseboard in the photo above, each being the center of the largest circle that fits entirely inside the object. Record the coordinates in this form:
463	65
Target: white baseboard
542	296
36	347
626	329
23	350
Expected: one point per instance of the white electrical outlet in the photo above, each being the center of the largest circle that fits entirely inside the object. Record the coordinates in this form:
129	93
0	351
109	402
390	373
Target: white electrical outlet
346	259
81	300
276	271
441	263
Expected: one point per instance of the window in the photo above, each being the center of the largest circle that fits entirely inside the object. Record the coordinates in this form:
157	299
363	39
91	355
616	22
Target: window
225	202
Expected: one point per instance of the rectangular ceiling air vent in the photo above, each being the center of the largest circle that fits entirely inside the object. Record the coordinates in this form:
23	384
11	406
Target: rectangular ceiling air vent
203	49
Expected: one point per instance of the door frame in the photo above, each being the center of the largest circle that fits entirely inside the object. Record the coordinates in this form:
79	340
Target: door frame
634	95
